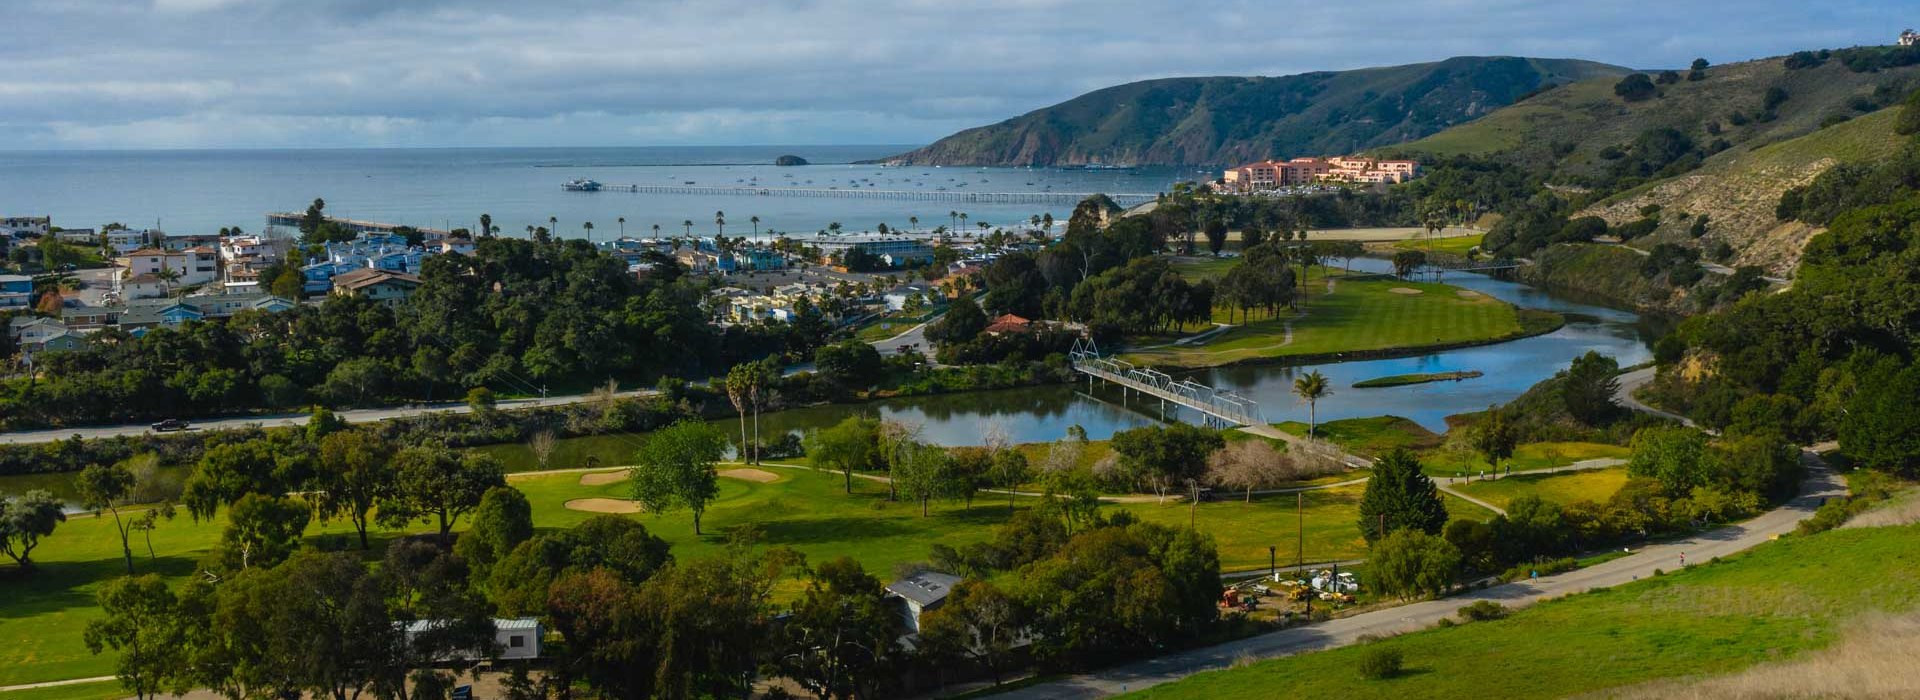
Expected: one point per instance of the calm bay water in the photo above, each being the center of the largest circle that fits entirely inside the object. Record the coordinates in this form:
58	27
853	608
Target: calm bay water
201	191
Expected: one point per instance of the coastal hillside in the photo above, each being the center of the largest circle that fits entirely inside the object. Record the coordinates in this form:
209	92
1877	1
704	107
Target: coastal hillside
1587	133
1228	120
1739	190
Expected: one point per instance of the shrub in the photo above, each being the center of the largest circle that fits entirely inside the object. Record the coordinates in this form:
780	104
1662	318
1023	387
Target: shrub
1379	663
1545	568
1482	610
1635	88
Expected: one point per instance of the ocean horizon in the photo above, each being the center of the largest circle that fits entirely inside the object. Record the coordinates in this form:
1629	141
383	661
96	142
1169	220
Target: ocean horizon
187	191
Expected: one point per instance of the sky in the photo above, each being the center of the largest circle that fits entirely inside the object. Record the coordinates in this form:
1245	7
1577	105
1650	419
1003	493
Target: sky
101	74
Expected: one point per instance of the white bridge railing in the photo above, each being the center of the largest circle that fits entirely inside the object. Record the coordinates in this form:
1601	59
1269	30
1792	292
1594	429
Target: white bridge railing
1221	405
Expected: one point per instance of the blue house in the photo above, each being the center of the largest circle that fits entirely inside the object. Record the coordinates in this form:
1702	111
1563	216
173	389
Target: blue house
15	291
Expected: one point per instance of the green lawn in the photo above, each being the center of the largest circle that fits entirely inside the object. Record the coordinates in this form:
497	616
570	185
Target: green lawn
1778	600
1564	488
98	690
1359	315
1369	436
1529	457
44	616
1451	245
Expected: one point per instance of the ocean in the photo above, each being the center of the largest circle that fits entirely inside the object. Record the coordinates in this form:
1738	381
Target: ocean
200	191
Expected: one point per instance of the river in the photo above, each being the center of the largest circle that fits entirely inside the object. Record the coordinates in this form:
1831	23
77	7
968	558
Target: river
1044	413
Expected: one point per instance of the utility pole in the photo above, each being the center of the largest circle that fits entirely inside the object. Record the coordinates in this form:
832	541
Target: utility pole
1193	504
1273	565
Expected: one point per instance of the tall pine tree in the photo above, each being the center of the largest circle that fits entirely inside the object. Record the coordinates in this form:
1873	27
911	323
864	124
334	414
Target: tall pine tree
1400	496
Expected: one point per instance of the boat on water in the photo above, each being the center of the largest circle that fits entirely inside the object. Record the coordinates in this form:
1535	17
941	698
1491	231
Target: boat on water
581	184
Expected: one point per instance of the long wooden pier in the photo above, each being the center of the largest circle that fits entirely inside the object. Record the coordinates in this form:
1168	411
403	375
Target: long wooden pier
1125	200
1221	407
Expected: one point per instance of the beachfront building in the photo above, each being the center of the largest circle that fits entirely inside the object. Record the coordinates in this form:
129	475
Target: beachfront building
243	257
1275	174
1299	172
886	251
1910	38
374	251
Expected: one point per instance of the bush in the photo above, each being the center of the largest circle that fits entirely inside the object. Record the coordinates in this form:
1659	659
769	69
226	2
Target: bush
1379	663
1635	88
1545	568
1482	610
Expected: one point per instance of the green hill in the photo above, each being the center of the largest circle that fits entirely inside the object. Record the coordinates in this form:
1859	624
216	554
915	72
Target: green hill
1229	120
1738	190
1574	133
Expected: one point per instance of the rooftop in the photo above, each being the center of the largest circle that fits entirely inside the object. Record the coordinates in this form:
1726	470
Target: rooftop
925	588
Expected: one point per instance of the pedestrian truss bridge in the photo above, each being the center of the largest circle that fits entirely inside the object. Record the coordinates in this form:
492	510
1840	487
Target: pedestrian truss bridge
1220	407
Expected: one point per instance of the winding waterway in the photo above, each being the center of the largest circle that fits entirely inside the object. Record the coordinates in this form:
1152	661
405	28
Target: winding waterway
1044	413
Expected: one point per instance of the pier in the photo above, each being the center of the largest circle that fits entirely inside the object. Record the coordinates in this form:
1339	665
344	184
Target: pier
1221	408
1061	198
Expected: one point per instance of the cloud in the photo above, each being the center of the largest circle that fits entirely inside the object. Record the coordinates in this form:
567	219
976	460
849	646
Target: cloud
134	73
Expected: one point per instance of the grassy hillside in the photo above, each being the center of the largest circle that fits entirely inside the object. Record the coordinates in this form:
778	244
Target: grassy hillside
1777	601
1226	120
1739	189
1565	131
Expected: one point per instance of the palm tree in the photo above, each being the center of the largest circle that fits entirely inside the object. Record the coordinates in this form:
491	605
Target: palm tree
689	226
168	276
913	223
963	219
720	222
588	225
529	232
1311	388
953	218
755	220
623	227
553	223
486	223
656	232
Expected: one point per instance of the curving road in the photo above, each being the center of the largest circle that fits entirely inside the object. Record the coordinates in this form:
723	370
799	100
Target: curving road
299	419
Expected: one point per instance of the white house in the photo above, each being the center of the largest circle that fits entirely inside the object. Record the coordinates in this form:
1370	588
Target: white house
123	241
140	269
898	297
25	225
514	639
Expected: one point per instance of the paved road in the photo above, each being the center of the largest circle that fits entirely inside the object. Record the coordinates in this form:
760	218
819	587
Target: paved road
914	337
298	419
1820	484
1631	382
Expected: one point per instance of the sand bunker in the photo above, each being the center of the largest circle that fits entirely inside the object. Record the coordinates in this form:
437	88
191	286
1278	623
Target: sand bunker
1405	290
1468	294
749	474
604	478
604	505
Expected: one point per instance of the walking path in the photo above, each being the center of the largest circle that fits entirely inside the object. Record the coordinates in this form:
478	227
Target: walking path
299	419
1819	485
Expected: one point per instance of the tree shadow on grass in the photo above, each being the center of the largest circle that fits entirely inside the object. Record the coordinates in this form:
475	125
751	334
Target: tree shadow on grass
844	529
52	587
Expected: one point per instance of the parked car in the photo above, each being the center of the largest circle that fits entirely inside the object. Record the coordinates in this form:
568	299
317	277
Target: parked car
170	424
